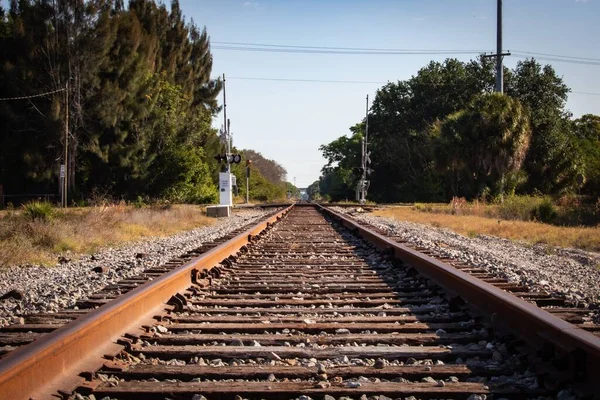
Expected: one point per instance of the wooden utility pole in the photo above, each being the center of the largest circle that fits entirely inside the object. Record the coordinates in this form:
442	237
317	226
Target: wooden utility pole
499	70
499	54
224	105
66	159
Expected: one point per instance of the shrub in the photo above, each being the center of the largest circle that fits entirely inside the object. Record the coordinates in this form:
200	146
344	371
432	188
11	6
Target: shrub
424	207
545	211
39	211
458	204
182	176
139	202
518	207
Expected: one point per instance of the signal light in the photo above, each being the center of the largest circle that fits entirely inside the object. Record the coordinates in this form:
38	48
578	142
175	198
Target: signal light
232	158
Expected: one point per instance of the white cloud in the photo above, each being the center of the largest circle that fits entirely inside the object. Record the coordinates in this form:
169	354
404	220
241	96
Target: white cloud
254	4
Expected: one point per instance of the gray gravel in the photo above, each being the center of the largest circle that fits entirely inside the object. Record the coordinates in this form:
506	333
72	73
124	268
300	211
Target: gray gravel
570	272
49	289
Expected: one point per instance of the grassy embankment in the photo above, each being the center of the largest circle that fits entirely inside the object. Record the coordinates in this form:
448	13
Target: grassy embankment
475	219
41	236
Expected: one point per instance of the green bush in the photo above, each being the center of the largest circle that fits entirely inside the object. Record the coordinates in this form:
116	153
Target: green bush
518	207
139	202
545	211
39	211
528	208
184	177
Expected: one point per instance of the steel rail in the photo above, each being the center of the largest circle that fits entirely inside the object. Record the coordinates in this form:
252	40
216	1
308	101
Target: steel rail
39	368
541	329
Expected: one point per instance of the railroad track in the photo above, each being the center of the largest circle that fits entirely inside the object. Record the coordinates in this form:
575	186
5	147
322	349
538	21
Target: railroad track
308	309
557	305
37	325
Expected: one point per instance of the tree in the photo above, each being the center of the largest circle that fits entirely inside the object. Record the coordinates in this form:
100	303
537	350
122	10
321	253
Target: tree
400	120
482	144
184	177
261	188
270	169
340	174
587	131
553	161
402	141
139	87
313	191
292	190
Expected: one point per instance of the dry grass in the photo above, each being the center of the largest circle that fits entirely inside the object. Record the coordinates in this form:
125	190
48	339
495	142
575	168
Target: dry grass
587	238
86	230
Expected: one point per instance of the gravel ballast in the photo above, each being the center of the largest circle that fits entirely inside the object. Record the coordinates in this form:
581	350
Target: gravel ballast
572	273
49	289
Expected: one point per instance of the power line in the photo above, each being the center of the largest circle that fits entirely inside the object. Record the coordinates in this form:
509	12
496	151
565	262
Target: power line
567	59
347	48
351	52
280	48
305	80
302	49
587	93
248	78
560	60
557	55
32	96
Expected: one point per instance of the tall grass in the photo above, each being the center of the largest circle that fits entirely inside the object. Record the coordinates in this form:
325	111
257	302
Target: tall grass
565	211
587	238
32	236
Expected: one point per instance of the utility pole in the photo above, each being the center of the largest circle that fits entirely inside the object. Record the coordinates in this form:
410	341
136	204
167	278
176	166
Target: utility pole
499	66
499	55
228	144
66	160
225	178
248	163
224	104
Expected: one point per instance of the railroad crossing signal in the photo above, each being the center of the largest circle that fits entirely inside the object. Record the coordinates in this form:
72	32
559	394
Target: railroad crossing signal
229	158
360	170
363	169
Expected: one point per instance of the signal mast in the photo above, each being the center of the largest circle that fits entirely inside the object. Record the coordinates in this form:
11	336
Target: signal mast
363	183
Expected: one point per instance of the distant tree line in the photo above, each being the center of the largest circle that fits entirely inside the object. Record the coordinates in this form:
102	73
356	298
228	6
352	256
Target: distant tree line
444	133
132	83
267	177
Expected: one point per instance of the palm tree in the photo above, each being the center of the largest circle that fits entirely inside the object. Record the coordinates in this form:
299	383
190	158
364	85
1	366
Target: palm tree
482	144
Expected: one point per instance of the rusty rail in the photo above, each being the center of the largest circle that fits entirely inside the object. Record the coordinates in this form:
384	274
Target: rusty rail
40	366
310	309
544	331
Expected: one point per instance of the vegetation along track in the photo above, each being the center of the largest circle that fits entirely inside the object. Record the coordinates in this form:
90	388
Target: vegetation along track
311	309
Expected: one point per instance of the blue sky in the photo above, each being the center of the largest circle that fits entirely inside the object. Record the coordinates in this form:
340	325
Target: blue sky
288	121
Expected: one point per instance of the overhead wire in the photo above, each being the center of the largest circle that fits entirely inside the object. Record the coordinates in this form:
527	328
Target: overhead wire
250	78
303	49
351	52
31	96
366	49
303	80
556	55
